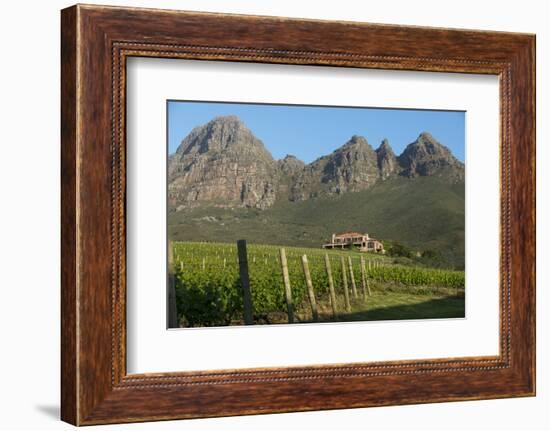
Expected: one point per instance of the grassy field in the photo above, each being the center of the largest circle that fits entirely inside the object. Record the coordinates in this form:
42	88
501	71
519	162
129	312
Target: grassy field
208	289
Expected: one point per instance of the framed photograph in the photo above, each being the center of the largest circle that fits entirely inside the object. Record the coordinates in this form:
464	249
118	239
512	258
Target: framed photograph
322	214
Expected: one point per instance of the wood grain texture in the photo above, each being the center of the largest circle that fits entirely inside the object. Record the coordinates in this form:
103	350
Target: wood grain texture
96	41
69	365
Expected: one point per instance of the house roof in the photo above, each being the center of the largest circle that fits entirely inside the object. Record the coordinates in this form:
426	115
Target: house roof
349	234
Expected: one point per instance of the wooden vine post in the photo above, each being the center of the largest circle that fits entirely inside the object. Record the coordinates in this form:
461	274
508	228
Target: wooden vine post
310	291
368	275
364	280
245	282
345	283
352	278
288	290
331	285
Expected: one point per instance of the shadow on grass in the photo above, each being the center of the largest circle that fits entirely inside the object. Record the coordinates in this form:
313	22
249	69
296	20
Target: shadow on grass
386	305
439	308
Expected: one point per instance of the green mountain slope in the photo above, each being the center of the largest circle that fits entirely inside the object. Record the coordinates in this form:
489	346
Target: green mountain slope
422	213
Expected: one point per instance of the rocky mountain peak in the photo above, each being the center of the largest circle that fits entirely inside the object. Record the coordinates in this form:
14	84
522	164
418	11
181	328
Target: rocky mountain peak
427	143
385	146
426	156
222	163
290	165
426	135
387	161
220	134
352	167
356	140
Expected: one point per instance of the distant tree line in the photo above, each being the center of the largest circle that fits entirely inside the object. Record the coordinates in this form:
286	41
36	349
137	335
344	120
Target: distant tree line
429	257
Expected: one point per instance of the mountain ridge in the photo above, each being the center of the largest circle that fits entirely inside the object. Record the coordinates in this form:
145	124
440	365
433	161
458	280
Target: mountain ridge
222	163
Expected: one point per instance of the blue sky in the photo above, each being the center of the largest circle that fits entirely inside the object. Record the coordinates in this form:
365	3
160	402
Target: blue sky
309	132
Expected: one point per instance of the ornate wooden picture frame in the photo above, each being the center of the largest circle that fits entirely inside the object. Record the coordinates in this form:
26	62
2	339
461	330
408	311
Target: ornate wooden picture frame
96	42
